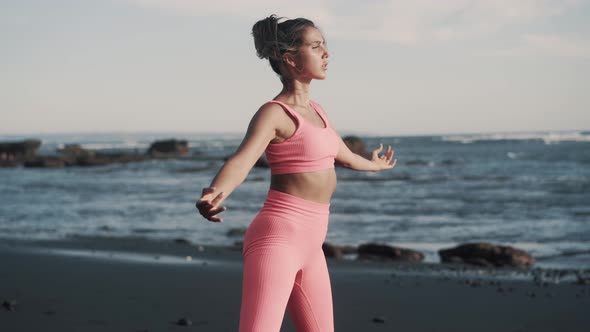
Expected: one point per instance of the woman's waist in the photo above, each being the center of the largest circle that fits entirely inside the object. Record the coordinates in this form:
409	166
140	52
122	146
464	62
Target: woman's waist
312	186
280	202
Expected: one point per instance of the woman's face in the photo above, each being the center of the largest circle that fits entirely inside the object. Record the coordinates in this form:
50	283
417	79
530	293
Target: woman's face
312	56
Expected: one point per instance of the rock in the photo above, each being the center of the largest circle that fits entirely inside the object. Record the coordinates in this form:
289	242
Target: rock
335	251
356	145
106	228
237	232
182	241
75	150
9	305
168	148
372	251
184	322
7	162
19	150
486	254
89	161
349	250
331	250
580	280
47	162
378	319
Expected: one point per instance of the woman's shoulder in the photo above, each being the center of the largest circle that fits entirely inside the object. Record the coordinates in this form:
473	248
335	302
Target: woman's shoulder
273	112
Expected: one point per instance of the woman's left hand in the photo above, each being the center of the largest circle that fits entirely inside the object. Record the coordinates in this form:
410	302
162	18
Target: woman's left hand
383	162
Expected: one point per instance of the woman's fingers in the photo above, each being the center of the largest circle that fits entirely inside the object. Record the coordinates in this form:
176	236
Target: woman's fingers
389	155
211	216
206	197
207	204
377	150
217	199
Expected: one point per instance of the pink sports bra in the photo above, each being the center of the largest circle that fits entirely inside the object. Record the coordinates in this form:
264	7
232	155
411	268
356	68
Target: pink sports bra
309	149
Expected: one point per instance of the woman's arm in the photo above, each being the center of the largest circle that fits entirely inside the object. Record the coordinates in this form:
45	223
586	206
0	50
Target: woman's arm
352	160
261	130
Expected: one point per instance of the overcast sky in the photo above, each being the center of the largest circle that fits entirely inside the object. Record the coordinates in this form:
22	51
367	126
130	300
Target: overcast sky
396	67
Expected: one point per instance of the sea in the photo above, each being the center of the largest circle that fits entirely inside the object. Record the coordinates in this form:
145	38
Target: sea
528	190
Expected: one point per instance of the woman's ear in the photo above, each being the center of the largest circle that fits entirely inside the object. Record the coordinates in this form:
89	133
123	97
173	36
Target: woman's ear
289	60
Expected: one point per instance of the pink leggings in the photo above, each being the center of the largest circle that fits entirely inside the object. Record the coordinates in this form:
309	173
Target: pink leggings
285	267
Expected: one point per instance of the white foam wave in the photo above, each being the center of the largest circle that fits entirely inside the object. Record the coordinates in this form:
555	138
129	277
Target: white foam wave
546	137
125	145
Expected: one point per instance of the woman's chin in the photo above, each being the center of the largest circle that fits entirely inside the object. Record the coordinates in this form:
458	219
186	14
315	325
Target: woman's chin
322	76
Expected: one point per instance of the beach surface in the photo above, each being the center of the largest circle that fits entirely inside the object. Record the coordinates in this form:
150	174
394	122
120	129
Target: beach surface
136	284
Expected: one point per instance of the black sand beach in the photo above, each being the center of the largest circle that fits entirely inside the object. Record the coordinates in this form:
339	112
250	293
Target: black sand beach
133	284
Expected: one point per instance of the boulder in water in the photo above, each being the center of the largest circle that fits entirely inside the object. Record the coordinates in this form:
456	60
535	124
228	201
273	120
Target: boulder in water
382	252
14	153
356	145
486	254
168	148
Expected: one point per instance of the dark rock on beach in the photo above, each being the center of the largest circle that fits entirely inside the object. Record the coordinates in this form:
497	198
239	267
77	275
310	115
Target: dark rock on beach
184	322
9	305
336	251
486	254
168	148
373	251
331	250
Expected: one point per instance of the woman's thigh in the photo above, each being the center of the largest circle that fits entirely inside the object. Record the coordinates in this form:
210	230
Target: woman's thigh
310	305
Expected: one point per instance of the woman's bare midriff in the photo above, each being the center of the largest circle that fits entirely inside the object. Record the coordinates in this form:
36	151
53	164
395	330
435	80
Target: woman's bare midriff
317	186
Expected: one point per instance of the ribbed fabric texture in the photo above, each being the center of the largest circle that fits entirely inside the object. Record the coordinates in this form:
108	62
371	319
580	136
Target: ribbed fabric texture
285	267
309	149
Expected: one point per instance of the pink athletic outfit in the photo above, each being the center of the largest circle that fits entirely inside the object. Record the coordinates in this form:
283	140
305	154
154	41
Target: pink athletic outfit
284	264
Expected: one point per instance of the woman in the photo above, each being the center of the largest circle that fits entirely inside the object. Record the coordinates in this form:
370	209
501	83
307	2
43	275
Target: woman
284	265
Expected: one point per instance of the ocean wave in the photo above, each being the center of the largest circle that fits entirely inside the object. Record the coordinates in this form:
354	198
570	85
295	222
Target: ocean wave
431	163
125	145
364	178
423	179
545	137
564	253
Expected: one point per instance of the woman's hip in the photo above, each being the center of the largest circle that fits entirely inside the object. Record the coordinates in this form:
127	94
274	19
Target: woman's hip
288	221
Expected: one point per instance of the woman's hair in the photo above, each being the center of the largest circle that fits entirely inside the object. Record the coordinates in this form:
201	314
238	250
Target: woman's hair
273	39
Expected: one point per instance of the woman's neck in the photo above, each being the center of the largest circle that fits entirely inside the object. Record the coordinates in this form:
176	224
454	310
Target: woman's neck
296	93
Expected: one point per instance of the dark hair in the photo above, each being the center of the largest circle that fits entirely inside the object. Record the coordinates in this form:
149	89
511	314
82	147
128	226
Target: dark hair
273	39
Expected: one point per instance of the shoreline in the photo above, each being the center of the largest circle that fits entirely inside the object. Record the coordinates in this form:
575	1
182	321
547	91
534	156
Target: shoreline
139	249
135	284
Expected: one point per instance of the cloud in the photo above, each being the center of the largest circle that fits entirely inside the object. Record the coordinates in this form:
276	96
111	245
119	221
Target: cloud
397	21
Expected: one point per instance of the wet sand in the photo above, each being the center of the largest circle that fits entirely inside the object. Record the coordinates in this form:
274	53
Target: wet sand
133	284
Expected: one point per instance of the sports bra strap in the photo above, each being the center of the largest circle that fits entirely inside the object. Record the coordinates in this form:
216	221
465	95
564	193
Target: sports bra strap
287	108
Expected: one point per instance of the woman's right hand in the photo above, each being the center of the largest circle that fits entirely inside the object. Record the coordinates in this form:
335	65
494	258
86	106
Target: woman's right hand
207	204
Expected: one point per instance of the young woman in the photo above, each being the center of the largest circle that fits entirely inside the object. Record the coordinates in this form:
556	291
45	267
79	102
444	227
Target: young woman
284	265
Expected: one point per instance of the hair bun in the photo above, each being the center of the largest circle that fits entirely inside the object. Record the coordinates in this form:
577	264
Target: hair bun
265	37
